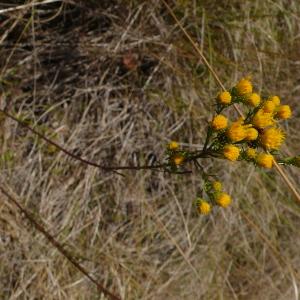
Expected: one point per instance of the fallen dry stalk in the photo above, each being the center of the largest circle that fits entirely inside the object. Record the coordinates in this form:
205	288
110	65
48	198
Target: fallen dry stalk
57	245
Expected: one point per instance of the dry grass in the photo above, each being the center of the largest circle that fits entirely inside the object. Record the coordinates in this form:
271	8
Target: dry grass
63	69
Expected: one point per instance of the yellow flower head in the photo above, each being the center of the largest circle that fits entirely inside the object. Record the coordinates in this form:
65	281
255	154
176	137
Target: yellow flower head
269	106
217	186
253	99
265	160
219	122
173	145
284	112
231	152
262	119
237	131
275	100
224	98
244	87
178	159
223	199
252	134
272	138
251	152
203	206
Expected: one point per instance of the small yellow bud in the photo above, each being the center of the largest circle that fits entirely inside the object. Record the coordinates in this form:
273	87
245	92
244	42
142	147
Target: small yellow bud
251	152
272	138
284	112
236	132
224	98
178	159
231	152
244	87
265	160
223	200
173	145
269	106
252	134
253	99
217	186
219	122
275	100
262	119
203	206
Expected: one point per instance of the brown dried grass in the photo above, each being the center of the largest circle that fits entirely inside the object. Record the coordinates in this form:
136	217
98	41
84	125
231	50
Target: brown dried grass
65	67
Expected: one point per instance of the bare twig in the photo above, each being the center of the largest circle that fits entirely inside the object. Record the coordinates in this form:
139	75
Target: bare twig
76	157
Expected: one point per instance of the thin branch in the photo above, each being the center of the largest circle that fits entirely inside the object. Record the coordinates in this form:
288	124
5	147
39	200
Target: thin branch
57	245
76	157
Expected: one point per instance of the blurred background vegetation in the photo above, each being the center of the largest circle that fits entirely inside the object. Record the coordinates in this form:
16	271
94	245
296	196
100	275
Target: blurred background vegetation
114	81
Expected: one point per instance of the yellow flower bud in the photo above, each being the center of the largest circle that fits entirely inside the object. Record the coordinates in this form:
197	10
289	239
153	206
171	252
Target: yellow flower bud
265	160
217	186
231	152
244	87
272	138
236	132
223	199
173	145
262	119
178	159
251	152
219	122
252	134
253	99
284	112
269	106
203	206
224	98
275	100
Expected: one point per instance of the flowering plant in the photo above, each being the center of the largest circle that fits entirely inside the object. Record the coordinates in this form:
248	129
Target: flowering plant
255	138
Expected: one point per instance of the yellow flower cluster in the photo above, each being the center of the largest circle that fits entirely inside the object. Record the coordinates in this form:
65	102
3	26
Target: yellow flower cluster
270	111
271	137
238	131
249	139
258	129
264	160
175	155
217	197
